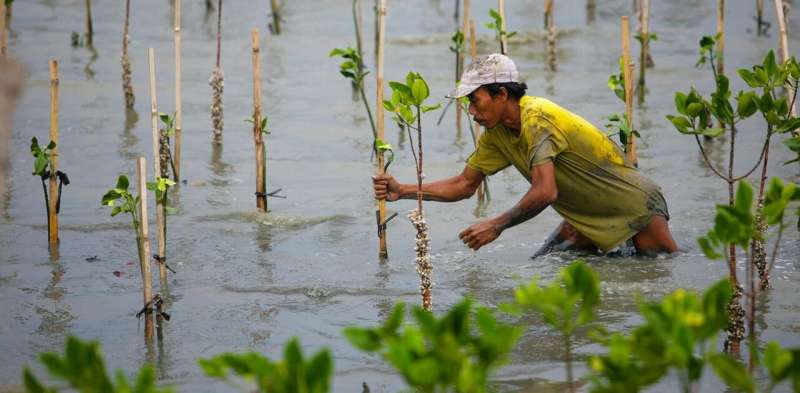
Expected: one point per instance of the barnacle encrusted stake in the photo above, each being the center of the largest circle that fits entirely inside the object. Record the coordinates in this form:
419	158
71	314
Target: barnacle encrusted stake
127	88
216	81
408	105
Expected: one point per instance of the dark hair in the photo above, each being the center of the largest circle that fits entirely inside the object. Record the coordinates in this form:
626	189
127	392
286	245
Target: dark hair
515	89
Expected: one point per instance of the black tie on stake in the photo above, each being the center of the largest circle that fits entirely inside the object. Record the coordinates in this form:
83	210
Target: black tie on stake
273	194
163	261
156	302
382	225
63	180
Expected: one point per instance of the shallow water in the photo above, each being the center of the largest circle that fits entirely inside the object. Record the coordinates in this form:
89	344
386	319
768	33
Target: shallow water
247	282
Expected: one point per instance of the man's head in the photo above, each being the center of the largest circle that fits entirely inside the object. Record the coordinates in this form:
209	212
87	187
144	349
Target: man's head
491	83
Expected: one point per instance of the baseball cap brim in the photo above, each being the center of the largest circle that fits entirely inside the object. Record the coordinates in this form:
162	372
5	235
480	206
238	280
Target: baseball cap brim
463	90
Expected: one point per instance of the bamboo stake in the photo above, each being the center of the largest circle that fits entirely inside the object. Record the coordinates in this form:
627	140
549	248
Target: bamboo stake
144	235
759	16
3	32
591	6
377	30
721	38
501	9
127	88
550	27
784	48
644	53
52	221
261	170
276	16
9	11
89	24
473	53
381	14
460	64
630	146
178	98
158	171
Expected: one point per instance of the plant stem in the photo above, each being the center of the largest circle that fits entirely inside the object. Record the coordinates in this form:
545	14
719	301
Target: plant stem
357	21
419	163
568	353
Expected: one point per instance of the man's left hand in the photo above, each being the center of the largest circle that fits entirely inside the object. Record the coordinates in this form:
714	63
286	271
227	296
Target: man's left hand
480	234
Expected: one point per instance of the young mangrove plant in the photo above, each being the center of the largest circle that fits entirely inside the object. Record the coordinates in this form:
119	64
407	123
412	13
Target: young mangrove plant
619	124
216	82
566	304
740	224
121	200
456	352
498	25
695	116
82	369
43	167
352	69
294	374
408	105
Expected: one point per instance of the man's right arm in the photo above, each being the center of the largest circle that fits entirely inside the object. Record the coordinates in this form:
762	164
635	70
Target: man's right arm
452	189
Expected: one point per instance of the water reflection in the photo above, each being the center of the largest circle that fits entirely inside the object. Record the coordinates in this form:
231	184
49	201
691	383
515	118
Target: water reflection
88	70
128	139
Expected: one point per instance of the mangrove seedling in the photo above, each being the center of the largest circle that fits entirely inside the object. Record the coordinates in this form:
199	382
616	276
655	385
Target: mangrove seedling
408	105
497	25
566	304
739	225
42	168
121	200
293	374
82	369
456	352
351	69
618	123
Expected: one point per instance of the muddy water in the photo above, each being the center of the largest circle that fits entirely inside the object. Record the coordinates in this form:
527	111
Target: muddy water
248	282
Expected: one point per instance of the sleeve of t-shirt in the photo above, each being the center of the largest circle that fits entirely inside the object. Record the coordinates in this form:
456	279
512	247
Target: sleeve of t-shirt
487	158
545	142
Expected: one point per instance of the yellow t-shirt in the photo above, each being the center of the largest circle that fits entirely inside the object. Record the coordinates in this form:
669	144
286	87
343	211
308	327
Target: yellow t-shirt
599	193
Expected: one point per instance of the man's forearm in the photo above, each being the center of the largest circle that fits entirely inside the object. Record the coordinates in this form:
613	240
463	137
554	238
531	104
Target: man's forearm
533	203
447	190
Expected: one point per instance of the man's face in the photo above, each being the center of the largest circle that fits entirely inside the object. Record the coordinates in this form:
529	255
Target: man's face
485	109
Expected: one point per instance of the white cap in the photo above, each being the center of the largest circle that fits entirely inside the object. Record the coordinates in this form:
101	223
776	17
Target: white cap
494	68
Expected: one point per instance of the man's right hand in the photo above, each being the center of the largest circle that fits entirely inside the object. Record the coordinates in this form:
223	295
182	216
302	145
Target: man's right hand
386	187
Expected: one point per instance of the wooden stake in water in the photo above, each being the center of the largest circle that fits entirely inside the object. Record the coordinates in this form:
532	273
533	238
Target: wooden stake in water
550	27
759	17
460	64
382	249
178	98
627	65
217	81
258	137
3	31
591	6
144	235
783	42
158	171
276	16
52	221
127	87
501	9
721	38
89	24
473	53
645	60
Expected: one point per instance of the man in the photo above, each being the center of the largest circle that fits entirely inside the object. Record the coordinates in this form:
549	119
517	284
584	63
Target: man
570	164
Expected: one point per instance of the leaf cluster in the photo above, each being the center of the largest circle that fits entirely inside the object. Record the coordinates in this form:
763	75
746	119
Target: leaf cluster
458	42
351	67
695	111
262	126
497	25
384	147
41	156
169	123
83	370
672	330
120	198
618	125
408	96
649	37
160	186
737	224
566	303
455	352
294	374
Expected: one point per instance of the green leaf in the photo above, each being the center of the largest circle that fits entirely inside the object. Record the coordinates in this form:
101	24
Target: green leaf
712	132
680	103
40	165
749	77
428	108
746	104
770	65
732	372
420	91
122	182
364	339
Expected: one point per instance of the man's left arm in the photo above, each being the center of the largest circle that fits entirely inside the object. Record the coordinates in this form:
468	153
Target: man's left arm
542	193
